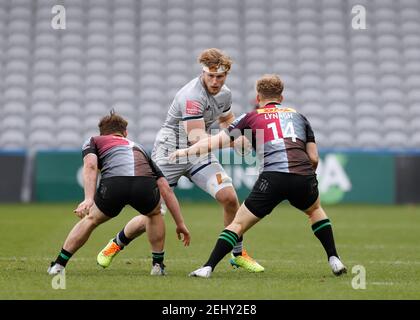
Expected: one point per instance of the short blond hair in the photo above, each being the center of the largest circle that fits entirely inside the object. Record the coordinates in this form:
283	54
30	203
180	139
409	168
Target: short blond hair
214	58
269	86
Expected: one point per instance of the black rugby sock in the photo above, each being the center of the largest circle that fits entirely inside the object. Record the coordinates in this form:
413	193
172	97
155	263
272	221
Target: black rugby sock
158	257
224	245
121	239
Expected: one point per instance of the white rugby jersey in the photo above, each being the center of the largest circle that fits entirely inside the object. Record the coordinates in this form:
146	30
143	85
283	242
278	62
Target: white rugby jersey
193	102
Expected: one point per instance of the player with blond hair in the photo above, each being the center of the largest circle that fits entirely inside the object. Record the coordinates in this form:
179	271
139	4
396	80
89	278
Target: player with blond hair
196	107
285	145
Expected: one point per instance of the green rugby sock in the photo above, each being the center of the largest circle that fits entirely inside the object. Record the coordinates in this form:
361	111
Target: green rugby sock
63	257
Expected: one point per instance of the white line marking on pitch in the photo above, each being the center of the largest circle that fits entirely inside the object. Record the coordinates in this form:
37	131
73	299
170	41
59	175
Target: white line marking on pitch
16	259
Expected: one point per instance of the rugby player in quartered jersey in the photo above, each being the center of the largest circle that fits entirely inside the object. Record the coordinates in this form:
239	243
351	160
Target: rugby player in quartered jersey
285	145
283	136
128	177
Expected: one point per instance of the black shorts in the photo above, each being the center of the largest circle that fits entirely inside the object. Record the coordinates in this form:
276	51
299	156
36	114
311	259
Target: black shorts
272	187
113	194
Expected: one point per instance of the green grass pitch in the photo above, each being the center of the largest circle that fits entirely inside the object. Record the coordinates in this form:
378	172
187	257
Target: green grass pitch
385	240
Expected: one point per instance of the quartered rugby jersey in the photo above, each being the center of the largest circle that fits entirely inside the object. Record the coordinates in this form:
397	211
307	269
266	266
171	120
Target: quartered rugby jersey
279	136
193	102
118	156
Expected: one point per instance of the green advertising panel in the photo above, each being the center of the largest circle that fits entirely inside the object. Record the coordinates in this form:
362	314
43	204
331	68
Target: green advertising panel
56	176
343	177
356	178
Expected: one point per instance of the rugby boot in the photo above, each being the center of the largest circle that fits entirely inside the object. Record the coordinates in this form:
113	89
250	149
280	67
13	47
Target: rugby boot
337	267
246	262
158	269
55	268
203	272
108	253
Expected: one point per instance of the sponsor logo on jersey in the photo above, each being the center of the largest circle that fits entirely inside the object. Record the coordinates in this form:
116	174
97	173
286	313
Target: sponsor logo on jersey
193	108
274	110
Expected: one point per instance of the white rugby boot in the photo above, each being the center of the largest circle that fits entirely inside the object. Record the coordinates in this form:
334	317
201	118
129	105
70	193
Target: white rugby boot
203	272
158	270
55	268
337	267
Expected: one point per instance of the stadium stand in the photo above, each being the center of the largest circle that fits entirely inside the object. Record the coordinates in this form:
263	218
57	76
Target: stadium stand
134	56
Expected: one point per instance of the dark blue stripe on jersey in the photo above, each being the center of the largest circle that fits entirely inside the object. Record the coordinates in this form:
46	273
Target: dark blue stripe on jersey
201	167
272	152
173	184
192	118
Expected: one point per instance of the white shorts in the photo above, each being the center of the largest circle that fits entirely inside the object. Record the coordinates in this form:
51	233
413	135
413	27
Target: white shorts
207	173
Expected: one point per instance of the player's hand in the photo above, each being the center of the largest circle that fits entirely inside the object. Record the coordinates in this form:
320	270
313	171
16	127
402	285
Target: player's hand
183	234
83	208
241	146
177	154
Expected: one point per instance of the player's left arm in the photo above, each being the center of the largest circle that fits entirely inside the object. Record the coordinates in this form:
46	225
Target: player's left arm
226	120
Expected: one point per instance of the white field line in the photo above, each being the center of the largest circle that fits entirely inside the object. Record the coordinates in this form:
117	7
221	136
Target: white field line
380	283
134	260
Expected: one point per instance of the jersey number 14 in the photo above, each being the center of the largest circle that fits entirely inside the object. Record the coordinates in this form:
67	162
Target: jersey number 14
289	131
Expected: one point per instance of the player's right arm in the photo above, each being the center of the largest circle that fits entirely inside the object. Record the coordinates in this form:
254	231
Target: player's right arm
90	175
192	112
195	130
172	203
312	151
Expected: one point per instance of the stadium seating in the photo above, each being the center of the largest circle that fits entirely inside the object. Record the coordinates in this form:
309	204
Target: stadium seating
135	55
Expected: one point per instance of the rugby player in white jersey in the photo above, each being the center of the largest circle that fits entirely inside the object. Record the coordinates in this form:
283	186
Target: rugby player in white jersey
196	107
